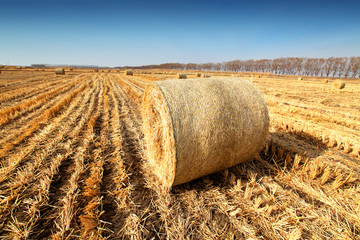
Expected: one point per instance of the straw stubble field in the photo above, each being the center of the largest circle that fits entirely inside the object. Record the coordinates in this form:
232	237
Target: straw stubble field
71	150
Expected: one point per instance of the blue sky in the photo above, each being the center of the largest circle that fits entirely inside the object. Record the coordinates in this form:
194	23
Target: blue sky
118	33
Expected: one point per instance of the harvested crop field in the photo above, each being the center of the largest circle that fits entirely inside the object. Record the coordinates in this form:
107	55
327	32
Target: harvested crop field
71	151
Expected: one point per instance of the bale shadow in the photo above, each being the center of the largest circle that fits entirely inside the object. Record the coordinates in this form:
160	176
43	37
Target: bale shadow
277	155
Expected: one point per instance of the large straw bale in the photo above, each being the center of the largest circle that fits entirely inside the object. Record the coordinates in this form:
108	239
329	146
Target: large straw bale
324	81
205	75
197	127
198	74
129	72
338	84
181	76
300	78
96	70
59	71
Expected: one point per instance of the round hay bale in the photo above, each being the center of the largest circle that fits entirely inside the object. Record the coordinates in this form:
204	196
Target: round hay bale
181	76
59	71
300	78
96	70
109	70
198	74
205	75
324	81
71	69
197	127
259	76
338	84
129	72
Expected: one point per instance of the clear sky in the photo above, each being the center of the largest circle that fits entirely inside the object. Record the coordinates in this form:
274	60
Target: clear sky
134	32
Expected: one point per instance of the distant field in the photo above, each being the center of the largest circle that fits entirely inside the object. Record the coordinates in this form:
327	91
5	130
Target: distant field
71	163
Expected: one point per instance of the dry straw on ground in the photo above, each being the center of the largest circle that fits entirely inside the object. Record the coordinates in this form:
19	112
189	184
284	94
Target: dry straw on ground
338	84
196	127
129	72
181	76
59	71
205	75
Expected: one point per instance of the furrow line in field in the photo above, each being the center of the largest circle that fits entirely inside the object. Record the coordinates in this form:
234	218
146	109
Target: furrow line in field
12	112
11	84
346	142
38	123
31	185
137	82
64	220
314	115
140	220
76	139
11	98
18	125
135	95
115	187
92	207
58	132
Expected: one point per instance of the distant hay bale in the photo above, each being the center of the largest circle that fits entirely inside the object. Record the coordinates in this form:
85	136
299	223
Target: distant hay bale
181	76
300	78
197	127
259	76
198	74
96	70
338	84
59	71
324	81
205	75
70	69
129	72
109	70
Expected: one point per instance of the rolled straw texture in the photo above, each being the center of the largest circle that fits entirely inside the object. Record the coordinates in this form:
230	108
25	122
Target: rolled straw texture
59	71
205	75
196	127
129	72
181	76
339	84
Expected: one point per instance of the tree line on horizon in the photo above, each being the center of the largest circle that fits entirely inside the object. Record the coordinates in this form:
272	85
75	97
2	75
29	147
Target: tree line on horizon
324	67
